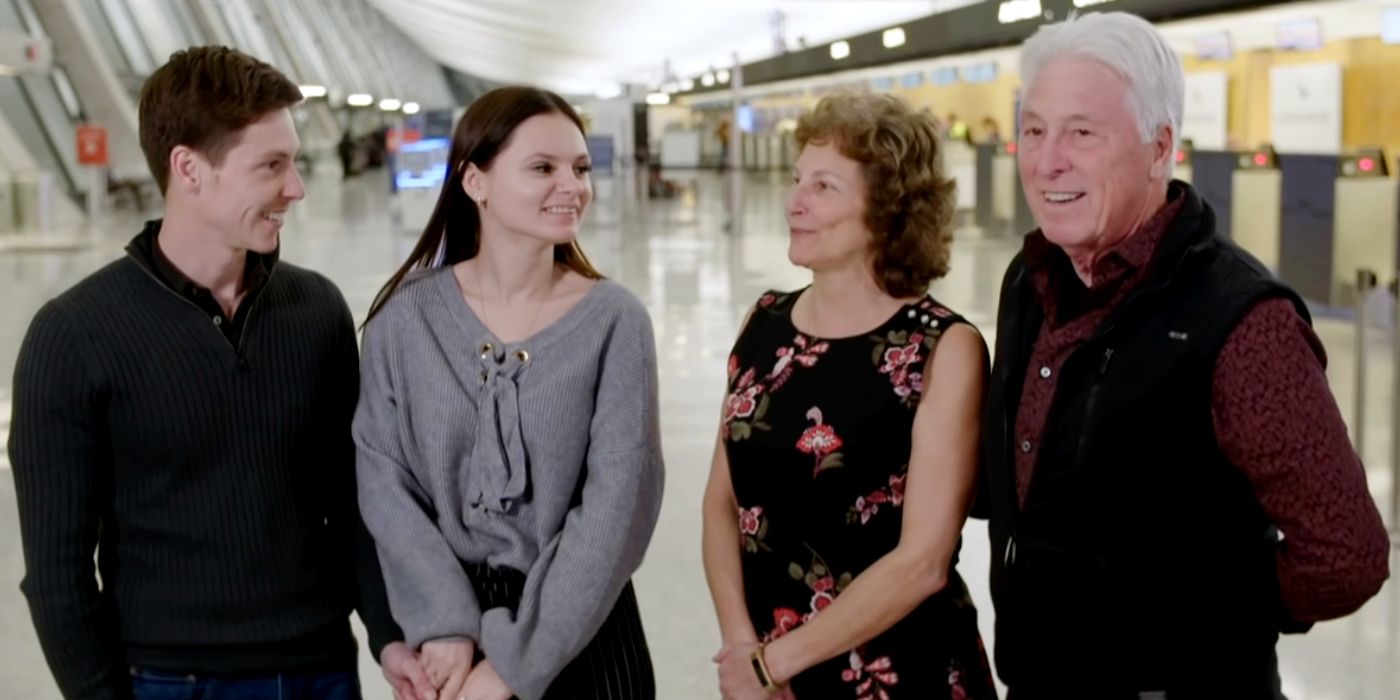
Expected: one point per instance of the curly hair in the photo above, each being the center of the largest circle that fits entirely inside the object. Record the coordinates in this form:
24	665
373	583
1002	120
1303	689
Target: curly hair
909	209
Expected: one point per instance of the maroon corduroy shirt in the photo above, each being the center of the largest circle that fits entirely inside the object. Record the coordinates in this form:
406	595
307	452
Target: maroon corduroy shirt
1274	415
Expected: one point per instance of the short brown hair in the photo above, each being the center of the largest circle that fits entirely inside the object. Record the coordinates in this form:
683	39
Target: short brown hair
910	205
201	98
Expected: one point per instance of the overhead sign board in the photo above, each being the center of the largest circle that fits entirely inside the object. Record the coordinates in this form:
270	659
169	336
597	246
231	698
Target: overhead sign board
21	54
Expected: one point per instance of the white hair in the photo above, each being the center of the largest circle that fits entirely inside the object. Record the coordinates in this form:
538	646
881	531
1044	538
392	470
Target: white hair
1129	45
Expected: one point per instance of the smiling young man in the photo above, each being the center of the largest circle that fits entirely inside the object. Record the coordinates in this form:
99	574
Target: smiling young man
1169	480
185	413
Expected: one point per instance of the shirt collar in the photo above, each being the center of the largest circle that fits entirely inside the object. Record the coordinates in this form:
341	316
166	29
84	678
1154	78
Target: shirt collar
257	268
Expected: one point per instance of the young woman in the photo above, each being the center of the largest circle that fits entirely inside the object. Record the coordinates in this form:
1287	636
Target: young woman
848	445
509	451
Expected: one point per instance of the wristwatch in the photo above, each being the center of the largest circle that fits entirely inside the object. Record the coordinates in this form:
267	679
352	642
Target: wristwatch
760	668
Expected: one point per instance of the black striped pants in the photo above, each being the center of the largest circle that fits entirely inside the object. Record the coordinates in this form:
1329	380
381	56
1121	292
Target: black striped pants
616	665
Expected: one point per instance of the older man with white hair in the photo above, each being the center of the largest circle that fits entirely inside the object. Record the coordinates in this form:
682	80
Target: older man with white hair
1168	478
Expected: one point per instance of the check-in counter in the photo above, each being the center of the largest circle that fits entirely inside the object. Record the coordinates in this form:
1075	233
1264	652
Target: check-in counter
960	163
1365	223
1256	205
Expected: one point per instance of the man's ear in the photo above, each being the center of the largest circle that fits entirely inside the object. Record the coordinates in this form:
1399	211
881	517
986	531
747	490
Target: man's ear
187	169
1163	151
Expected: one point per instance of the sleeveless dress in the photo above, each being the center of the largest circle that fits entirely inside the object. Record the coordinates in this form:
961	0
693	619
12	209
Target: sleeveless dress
818	435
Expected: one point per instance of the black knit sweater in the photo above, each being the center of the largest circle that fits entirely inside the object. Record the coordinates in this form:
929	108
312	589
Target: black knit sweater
214	477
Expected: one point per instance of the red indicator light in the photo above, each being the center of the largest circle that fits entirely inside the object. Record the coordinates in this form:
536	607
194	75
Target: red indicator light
1011	148
1261	160
1366	165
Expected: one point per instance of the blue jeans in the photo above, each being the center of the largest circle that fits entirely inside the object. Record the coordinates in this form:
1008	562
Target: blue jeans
150	684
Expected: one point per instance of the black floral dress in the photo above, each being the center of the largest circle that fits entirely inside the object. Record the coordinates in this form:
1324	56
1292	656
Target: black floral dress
818	435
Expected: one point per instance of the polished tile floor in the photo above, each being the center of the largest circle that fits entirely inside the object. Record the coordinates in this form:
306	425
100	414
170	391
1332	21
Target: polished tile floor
697	280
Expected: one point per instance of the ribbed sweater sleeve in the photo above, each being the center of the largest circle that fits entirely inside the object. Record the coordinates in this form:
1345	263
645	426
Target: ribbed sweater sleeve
429	593
580	573
62	469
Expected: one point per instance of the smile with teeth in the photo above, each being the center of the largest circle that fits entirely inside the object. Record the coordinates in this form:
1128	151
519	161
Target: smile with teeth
274	216
562	210
1062	197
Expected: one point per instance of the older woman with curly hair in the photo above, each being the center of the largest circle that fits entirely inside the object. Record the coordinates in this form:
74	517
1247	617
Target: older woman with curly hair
847	449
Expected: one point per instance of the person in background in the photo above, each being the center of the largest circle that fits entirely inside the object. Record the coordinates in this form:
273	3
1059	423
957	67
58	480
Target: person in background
991	132
1169	480
184	413
847	448
509	444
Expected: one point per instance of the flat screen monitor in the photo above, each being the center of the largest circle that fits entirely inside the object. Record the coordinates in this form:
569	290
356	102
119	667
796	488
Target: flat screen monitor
745	117
1390	26
1214	46
1299	35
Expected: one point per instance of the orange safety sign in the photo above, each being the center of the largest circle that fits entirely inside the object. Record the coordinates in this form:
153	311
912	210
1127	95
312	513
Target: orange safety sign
92	145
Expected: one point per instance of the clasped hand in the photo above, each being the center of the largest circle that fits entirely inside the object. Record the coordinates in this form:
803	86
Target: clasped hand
737	679
449	667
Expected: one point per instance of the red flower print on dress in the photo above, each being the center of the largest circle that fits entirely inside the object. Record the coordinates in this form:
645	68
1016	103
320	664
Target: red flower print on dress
753	527
896	359
956	691
745	401
872	678
733	366
824	585
867	506
748	520
800	352
822	442
767	300
900	355
784	620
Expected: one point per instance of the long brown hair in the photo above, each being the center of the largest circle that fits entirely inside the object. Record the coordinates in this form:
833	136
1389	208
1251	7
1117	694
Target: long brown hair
455	226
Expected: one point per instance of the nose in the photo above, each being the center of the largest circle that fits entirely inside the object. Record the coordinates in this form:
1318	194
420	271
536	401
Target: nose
795	204
1051	160
570	181
293	188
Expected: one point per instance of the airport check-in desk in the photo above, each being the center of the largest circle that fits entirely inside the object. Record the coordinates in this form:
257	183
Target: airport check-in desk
998	189
1313	219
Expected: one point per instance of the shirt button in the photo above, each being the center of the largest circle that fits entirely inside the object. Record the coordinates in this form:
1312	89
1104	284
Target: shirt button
218	321
1045	372
1026	446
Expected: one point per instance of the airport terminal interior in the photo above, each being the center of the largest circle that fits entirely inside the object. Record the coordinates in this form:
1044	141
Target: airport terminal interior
1291	133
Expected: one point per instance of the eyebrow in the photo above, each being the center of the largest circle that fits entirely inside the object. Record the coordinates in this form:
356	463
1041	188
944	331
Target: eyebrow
551	156
821	171
1077	116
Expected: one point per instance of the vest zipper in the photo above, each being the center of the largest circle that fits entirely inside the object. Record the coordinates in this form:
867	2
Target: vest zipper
1085	435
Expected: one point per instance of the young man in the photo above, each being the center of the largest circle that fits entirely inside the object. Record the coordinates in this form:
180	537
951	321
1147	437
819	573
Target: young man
185	412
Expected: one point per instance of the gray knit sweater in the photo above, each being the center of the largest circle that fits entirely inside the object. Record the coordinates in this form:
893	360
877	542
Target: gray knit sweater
472	451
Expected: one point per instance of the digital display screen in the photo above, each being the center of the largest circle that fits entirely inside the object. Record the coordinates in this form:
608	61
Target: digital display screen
979	73
944	76
1299	35
744	117
1390	26
1214	46
422	164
